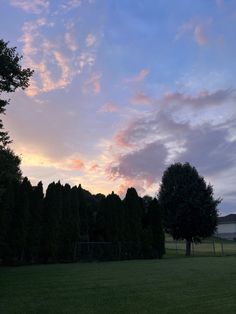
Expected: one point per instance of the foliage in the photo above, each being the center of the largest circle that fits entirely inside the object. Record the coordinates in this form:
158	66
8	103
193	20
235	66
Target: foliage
12	77
187	203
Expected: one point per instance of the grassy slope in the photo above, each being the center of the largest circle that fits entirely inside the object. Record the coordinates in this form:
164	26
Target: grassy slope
174	285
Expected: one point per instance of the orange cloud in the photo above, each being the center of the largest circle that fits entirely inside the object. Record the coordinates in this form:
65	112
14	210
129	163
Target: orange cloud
77	164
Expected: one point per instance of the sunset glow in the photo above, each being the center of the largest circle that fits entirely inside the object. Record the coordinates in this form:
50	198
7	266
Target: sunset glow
122	89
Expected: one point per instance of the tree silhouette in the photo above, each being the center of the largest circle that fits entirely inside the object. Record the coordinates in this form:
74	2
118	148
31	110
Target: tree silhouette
12	77
190	211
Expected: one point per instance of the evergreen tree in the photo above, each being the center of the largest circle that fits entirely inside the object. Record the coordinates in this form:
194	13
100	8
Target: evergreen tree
84	219
133	215
35	223
19	226
156	228
110	218
51	222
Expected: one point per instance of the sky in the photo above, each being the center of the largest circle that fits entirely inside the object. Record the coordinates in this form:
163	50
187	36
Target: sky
122	89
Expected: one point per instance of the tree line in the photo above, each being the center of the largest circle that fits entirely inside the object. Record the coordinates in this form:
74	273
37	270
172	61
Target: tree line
48	228
54	227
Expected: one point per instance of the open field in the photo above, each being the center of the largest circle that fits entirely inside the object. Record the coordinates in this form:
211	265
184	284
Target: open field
208	247
172	285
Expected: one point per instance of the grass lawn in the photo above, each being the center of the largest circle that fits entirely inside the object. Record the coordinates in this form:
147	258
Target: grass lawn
172	285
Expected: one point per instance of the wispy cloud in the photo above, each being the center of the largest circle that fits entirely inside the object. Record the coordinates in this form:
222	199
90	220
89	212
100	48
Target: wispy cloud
70	42
141	99
90	40
139	77
200	35
94	167
93	82
109	107
77	164
31	6
47	57
196	28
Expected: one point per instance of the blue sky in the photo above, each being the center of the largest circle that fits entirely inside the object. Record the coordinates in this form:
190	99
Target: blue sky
122	89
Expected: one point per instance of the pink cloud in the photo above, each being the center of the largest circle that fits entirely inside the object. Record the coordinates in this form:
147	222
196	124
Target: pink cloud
90	40
141	99
139	77
77	164
121	138
94	167
200	36
70	42
196	28
34	6
109	107
93	82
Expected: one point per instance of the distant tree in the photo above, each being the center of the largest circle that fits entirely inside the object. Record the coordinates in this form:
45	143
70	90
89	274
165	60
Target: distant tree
12	77
188	205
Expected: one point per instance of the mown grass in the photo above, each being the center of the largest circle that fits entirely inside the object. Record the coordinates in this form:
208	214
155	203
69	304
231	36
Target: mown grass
171	285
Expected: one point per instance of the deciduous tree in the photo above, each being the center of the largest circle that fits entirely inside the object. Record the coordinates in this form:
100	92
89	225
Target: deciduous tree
188	205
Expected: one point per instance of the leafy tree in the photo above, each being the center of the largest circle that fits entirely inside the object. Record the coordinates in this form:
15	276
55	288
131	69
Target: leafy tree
9	169
12	77
188	205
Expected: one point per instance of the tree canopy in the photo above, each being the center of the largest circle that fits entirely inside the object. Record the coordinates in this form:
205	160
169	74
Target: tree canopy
187	203
12	77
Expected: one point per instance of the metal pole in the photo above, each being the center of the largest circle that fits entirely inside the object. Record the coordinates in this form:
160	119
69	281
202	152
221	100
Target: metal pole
222	248
214	248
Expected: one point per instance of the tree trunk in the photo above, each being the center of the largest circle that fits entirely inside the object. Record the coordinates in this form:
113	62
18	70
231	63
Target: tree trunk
188	247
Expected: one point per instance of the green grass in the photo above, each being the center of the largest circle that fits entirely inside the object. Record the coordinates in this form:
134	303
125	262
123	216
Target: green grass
172	285
205	248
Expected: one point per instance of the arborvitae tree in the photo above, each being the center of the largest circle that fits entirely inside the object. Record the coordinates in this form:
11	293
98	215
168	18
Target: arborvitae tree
189	208
156	227
110	218
133	216
51	222
74	222
65	249
7	205
84	228
35	223
19	226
